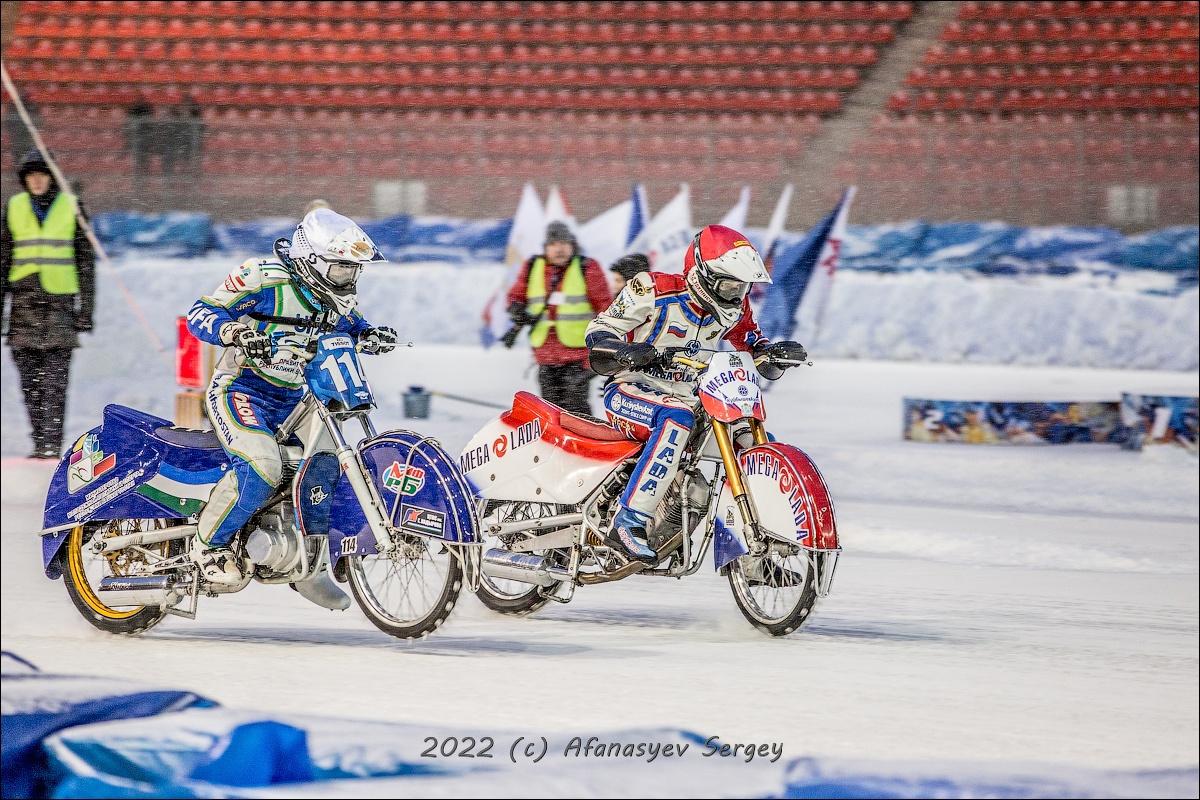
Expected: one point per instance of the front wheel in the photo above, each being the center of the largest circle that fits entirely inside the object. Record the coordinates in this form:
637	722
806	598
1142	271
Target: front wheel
83	570
410	592
776	592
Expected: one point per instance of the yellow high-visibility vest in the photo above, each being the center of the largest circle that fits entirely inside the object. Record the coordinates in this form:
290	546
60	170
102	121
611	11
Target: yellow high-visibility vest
47	248
571	316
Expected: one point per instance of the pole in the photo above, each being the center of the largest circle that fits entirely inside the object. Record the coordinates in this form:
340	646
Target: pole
79	217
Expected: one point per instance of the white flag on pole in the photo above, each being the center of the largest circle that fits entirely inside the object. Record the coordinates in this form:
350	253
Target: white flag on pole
605	237
667	237
557	210
526	240
736	217
775	226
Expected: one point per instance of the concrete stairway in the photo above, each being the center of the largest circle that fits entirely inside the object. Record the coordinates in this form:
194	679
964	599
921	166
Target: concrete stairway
816	190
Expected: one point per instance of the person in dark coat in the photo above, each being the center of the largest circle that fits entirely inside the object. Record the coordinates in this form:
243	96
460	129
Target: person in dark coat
49	289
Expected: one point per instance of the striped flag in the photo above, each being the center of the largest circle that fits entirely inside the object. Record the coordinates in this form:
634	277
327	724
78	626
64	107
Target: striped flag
803	278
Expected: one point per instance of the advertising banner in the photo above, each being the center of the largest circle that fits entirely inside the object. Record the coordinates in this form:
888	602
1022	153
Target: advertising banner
974	422
1158	419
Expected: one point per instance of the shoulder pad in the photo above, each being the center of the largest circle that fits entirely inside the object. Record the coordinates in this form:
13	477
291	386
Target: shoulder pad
641	285
667	282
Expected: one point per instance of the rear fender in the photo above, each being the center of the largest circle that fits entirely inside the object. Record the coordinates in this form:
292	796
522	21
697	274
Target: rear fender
124	470
789	496
422	490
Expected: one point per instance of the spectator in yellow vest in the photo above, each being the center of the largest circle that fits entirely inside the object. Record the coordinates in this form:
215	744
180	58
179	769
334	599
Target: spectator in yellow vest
560	292
49	295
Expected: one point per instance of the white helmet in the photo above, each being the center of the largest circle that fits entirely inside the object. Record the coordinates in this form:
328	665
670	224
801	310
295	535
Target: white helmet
327	253
720	267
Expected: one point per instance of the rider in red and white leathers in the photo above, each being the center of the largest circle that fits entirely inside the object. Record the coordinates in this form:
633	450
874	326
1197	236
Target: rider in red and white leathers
651	399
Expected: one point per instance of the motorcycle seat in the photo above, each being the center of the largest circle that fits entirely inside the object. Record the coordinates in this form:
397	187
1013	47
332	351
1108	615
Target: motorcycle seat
188	437
597	431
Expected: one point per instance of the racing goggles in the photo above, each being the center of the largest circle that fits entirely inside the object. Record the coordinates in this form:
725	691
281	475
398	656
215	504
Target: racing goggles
727	289
342	273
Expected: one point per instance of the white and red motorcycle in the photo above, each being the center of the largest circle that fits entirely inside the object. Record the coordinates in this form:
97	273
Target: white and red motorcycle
547	484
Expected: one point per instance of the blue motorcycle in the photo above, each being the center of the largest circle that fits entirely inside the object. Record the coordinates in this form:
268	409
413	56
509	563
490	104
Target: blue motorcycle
390	514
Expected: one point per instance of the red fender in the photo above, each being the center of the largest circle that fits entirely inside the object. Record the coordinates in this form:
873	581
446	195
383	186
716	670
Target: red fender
799	482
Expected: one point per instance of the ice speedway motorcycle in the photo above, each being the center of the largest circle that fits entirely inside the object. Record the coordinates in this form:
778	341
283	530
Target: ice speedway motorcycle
390	515
547	485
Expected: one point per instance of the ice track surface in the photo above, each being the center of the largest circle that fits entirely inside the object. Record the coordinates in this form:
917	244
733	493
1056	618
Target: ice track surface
1011	604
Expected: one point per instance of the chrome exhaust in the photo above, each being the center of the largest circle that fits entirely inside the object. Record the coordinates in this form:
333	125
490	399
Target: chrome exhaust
139	590
523	567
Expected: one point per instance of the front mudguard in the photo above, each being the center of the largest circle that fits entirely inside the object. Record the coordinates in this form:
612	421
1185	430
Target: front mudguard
423	493
789	496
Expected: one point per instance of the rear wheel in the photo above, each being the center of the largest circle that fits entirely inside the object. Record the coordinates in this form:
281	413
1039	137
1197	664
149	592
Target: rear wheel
83	569
776	592
515	598
410	592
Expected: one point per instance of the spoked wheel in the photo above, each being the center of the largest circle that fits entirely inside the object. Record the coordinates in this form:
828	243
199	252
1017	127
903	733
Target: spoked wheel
83	570
410	592
776	591
508	596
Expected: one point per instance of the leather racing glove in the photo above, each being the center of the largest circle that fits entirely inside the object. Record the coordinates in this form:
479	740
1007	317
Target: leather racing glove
253	343
378	340
610	355
779	351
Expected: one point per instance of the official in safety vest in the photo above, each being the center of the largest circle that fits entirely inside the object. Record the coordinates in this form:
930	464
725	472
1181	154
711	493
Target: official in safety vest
557	294
49	294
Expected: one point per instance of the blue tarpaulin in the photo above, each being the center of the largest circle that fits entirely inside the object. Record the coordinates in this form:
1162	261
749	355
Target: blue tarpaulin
37	705
176	234
988	248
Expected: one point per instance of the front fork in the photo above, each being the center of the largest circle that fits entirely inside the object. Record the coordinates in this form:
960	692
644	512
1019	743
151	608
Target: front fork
733	473
352	467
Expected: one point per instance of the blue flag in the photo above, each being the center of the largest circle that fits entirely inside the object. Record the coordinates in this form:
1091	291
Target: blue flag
794	269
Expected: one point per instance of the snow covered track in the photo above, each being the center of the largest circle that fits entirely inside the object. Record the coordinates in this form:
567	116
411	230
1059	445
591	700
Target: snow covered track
1011	605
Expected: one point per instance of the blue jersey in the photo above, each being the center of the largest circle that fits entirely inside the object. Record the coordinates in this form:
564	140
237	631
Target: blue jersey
261	294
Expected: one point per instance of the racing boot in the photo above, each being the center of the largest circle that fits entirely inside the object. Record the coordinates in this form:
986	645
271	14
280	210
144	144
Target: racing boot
628	536
217	564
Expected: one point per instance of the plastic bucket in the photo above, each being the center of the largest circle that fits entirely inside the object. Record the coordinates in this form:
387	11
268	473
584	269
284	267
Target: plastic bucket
416	403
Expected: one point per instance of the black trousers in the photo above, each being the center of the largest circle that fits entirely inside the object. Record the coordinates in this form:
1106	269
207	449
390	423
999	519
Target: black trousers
44	375
566	386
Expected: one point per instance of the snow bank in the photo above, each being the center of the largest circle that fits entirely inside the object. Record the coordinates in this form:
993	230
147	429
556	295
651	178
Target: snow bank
1076	320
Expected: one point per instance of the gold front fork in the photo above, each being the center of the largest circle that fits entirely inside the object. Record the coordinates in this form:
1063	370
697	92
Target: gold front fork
733	471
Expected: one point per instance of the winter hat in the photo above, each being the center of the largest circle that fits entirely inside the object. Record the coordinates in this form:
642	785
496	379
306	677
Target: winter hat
559	232
631	265
33	162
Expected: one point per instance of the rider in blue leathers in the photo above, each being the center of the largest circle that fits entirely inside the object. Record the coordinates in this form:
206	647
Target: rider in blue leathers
309	289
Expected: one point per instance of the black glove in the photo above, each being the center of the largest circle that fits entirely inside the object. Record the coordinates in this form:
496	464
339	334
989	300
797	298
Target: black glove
378	340
610	355
786	351
83	324
517	313
780	351
253	343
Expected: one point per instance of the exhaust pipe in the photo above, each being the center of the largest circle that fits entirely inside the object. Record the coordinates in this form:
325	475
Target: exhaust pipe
523	567
139	590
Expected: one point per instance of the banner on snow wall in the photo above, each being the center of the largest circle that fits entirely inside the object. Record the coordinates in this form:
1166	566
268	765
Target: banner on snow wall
976	422
1159	419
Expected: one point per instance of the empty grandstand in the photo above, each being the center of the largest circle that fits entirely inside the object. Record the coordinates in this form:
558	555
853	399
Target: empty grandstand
1034	112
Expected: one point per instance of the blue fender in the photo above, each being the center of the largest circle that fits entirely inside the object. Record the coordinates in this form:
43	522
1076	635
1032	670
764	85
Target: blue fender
422	488
134	466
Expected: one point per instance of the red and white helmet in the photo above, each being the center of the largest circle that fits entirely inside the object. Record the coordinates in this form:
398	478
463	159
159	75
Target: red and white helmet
720	267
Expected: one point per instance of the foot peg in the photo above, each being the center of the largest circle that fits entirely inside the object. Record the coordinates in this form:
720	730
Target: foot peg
321	589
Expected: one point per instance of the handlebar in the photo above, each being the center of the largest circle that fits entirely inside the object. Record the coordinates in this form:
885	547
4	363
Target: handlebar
699	365
305	354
